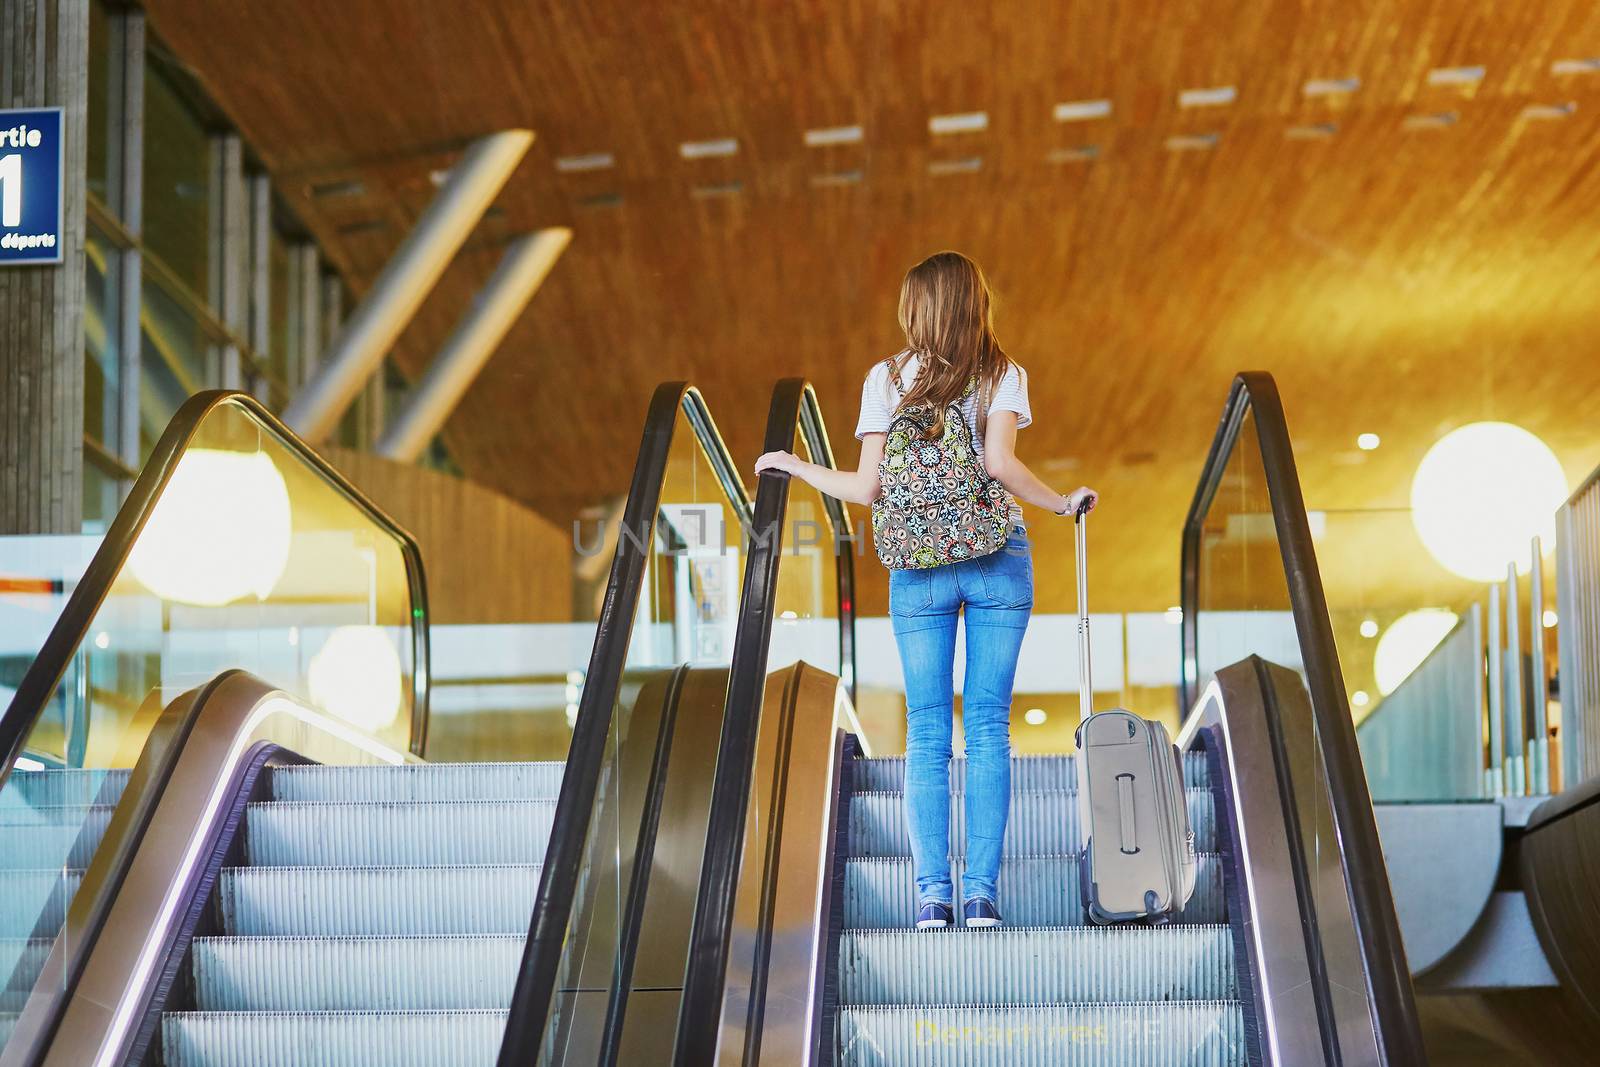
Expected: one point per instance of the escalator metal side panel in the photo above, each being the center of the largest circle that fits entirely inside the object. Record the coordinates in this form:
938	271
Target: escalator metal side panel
1297	923
783	886
771	996
583	992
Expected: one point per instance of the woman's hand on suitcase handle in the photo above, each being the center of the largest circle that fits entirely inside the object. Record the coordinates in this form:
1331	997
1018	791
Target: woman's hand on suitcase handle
1080	501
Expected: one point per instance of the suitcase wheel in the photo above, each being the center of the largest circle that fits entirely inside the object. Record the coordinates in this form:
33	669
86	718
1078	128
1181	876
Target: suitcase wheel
1152	914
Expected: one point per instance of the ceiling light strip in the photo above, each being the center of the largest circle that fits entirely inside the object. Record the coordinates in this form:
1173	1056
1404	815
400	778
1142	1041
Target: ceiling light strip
1080	154
1439	121
591	161
1549	111
1082	110
1316	131
1331	86
965	122
1216	96
725	146
832	135
1455	75
837	178
1589	65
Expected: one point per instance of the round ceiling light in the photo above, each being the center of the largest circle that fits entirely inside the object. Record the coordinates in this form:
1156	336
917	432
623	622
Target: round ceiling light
1480	496
1406	643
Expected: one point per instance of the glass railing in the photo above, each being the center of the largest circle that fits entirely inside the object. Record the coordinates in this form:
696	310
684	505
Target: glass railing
1251	586
238	547
1439	716
672	599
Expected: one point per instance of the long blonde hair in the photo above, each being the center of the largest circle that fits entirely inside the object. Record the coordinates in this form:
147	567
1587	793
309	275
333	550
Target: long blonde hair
946	313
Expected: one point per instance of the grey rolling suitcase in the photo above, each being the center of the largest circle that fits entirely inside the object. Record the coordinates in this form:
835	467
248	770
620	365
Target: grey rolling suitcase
1138	858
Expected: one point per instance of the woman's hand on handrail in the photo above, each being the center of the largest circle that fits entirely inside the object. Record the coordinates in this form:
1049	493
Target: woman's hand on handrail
860	486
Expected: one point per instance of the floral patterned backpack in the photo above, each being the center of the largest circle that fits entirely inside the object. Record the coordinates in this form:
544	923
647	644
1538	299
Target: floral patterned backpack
938	504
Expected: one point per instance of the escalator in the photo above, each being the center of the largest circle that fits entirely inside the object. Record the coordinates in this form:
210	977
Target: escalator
1289	952
609	959
720	872
230	872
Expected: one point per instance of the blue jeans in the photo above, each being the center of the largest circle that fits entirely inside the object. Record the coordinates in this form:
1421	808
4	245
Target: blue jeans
997	590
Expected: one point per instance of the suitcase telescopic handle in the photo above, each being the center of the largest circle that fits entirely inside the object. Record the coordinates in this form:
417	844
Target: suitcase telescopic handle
1085	690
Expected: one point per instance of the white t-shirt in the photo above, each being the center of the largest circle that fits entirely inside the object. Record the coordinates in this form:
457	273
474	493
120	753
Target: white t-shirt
879	398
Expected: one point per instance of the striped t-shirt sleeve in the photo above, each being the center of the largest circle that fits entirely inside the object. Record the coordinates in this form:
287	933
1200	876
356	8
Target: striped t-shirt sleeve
1012	395
876	405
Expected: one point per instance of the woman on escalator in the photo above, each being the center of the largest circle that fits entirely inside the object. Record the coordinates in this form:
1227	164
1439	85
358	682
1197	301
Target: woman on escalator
938	432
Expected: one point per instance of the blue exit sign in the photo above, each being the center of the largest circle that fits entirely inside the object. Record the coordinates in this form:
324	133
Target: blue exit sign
30	186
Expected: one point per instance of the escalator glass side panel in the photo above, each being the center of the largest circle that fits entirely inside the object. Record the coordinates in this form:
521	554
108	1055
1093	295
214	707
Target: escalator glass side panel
672	598
238	547
689	601
806	620
730	948
1244	599
1251	587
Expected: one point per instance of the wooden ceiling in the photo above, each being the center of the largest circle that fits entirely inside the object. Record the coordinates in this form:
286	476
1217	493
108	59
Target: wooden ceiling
1395	279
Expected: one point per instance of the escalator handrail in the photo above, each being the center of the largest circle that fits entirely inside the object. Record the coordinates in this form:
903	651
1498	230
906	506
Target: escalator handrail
558	880
705	975
72	626
1391	998
814	430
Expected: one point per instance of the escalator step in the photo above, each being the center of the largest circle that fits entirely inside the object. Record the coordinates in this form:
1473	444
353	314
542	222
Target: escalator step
355	973
59	787
1040	824
1015	965
442	833
1184	1034
35	900
1034	891
377	901
887	774
332	1039
419	782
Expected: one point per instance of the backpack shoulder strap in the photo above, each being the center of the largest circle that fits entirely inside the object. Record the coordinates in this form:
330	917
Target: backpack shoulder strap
984	400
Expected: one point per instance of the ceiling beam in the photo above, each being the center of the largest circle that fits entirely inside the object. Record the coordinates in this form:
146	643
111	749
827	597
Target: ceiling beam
405	281
522	269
